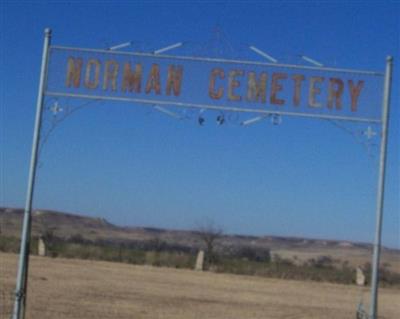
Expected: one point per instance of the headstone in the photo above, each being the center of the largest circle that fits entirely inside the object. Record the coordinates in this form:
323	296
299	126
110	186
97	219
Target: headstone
360	277
199	261
41	247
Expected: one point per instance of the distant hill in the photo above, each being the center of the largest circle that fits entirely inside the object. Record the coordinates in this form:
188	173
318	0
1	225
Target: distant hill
66	225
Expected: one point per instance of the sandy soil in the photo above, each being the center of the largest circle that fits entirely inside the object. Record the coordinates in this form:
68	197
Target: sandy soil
79	289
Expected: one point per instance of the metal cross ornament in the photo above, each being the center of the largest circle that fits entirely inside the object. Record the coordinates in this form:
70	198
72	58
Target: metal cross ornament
55	109
369	133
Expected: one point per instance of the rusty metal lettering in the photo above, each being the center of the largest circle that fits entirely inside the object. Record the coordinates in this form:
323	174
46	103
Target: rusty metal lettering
217	84
174	79
314	90
335	92
110	75
257	89
276	87
355	93
132	81
216	95
92	67
297	78
233	83
153	81
74	70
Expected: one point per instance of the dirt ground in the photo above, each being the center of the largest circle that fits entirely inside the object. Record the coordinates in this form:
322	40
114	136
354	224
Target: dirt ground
79	289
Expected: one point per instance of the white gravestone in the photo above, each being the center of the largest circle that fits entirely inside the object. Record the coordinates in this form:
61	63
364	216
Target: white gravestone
41	247
360	277
199	261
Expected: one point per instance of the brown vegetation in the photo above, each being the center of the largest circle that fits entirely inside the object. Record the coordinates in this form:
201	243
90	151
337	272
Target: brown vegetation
81	228
81	289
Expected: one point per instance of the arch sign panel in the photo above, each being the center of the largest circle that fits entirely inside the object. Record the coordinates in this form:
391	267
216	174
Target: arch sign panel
209	83
220	84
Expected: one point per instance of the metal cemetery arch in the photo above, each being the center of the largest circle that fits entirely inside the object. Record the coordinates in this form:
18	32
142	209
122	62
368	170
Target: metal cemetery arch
215	84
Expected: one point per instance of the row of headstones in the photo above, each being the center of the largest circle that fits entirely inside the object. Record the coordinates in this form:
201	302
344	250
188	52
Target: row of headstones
360	275
199	266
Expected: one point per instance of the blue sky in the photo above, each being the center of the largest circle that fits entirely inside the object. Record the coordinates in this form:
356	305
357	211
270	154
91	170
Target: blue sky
135	166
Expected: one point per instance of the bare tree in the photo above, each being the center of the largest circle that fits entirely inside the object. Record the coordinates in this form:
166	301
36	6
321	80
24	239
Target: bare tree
209	233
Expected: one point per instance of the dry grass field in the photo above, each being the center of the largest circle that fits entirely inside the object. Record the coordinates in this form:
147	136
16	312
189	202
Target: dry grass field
80	289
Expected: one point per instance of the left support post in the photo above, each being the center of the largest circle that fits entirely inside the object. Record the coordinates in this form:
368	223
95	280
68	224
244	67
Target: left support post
22	275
